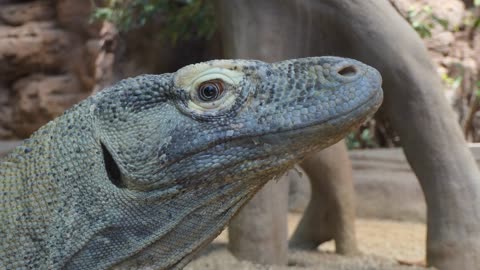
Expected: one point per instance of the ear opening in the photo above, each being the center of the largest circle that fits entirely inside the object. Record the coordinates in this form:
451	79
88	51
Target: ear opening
113	171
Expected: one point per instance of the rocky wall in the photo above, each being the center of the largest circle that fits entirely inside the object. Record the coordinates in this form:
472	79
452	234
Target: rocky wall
454	45
48	51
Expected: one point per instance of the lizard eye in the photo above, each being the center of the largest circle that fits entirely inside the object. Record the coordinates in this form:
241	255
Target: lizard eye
210	90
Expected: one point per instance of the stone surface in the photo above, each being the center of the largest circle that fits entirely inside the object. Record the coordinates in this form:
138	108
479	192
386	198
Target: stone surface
18	14
6	113
476	47
455	50
441	42
32	47
452	11
40	98
74	15
40	45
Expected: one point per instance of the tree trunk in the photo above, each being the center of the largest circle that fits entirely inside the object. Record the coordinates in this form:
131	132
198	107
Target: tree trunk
259	232
373	32
331	211
273	31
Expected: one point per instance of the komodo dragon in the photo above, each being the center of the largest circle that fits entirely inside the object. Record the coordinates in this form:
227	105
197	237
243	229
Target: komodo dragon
146	172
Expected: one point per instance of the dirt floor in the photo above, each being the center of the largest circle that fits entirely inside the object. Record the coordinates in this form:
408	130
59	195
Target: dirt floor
384	245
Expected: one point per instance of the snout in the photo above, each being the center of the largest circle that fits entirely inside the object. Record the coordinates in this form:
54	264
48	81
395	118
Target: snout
321	90
352	81
337	71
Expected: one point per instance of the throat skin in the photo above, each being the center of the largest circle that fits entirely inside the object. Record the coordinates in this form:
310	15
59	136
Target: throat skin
146	173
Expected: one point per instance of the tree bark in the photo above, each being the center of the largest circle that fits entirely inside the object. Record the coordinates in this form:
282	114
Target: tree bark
259	232
250	29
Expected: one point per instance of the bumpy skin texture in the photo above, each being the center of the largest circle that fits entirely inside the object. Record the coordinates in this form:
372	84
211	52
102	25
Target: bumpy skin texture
145	173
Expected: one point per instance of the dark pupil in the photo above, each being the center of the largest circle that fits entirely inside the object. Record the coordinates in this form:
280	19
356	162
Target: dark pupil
208	92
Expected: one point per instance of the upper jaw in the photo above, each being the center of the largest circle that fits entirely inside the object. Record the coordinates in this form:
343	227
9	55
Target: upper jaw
339	124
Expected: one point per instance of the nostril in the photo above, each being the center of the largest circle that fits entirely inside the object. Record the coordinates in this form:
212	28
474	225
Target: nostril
347	71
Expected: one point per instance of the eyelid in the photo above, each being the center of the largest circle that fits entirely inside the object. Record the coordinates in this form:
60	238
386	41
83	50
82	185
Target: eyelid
228	76
231	79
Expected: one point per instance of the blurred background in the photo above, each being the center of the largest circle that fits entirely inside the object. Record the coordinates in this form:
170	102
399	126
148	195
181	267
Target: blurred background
54	53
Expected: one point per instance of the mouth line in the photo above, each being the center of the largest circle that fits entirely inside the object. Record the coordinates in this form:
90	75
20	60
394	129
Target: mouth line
372	99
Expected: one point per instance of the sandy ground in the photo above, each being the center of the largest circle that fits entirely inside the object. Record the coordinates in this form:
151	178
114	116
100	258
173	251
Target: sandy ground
384	245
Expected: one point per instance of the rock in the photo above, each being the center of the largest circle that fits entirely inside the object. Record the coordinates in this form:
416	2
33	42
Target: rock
476	47
18	14
440	42
40	98
75	15
6	113
105	57
451	11
462	48
33	47
33	52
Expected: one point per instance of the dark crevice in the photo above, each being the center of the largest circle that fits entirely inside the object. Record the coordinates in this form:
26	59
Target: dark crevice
111	166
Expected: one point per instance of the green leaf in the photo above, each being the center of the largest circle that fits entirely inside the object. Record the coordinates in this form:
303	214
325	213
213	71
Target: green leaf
456	83
442	22
103	13
427	9
184	19
476	24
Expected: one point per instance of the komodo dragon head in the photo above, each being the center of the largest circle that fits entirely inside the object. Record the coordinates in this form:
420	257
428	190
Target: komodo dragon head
175	156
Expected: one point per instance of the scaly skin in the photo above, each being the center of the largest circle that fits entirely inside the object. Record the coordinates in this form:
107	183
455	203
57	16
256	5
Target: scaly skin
145	173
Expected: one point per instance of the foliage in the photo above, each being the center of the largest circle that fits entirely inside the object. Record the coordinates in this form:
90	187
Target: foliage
452	82
476	22
472	20
423	20
362	138
184	19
